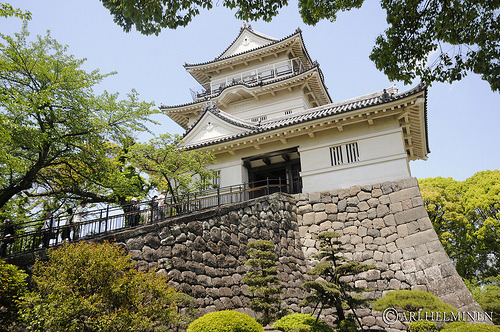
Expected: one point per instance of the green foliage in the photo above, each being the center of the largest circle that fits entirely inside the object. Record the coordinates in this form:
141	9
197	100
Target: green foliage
95	287
422	326
13	286
412	301
58	138
6	10
442	41
487	295
332	289
301	322
465	327
466	217
225	321
177	171
262	280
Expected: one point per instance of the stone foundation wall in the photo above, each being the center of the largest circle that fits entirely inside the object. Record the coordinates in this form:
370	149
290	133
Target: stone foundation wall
203	253
385	225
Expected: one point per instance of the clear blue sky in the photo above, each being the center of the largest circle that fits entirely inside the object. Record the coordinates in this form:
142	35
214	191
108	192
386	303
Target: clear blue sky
464	118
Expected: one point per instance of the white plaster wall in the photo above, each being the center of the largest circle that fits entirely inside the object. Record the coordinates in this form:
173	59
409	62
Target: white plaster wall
272	106
381	153
382	157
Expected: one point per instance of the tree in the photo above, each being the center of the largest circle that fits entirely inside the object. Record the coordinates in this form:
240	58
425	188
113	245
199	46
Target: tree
179	172
465	34
466	217
95	287
487	294
6	10
13	286
263	280
332	288
55	131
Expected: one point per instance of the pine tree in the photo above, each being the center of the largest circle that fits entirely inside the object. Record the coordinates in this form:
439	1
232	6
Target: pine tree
332	289
262	280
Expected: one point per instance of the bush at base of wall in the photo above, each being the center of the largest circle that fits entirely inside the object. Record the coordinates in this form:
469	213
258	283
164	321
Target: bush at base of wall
301	322
225	321
465	327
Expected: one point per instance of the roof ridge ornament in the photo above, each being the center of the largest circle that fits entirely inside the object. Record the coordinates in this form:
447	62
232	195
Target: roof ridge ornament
246	25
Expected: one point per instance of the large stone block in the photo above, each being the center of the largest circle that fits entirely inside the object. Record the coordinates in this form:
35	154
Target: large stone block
410	215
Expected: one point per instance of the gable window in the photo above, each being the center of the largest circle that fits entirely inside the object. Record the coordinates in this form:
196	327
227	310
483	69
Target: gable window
347	153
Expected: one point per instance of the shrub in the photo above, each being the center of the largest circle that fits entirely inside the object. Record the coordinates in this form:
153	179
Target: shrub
422	326
95	287
412	301
225	321
301	322
263	280
12	286
465	327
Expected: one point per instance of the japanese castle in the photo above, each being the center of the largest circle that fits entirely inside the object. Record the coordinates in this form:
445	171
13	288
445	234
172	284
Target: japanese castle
266	114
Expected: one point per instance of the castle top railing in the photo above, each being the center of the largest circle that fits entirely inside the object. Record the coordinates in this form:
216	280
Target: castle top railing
41	234
265	73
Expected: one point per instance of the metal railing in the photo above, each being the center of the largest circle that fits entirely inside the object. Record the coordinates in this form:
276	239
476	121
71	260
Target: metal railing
254	76
36	235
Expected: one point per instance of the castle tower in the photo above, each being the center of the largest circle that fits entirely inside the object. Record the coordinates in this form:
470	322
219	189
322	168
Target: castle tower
266	115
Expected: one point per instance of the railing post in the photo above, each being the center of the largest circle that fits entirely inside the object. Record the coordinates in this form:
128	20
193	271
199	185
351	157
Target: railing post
100	221
107	216
231	193
267	186
280	184
218	196
188	207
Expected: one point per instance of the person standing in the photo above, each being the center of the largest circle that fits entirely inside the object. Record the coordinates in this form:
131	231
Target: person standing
135	212
47	228
77	220
69	224
161	205
8	237
154	207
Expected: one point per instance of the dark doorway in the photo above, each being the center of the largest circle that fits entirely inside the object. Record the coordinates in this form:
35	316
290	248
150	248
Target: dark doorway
275	171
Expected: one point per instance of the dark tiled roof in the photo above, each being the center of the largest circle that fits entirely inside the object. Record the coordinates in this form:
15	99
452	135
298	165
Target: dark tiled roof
377	98
187	65
224	116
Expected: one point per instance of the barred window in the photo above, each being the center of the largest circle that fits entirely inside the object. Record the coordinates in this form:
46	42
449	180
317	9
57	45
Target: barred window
260	118
348	152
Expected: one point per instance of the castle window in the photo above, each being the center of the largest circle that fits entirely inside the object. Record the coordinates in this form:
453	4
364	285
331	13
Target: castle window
348	152
288	112
260	118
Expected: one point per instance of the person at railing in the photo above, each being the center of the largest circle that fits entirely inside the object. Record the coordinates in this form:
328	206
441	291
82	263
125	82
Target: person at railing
69	225
135	212
153	204
47	228
79	214
9	232
161	205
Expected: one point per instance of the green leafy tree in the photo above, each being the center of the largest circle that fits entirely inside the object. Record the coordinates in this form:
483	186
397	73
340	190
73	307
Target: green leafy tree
487	294
179	172
57	135
466	217
263	280
6	10
95	287
462	36
13	286
332	289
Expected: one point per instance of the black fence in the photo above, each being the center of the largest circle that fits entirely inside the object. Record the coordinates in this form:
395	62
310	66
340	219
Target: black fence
41	234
